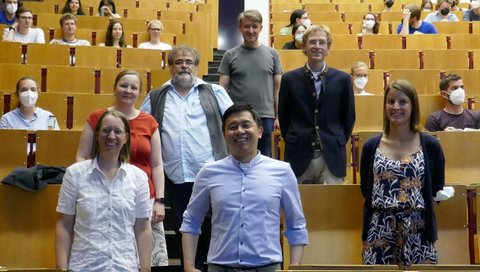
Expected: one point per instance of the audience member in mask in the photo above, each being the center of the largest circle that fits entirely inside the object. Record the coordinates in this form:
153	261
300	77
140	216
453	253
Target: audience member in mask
427	5
298	16
473	14
370	24
388	4
7	16
359	73
27	115
411	23
454	116
297	34
443	13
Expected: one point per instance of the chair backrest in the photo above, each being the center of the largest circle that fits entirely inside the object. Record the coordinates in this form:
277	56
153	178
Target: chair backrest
14	50
13	146
11	73
28	226
48	54
374	42
460	27
85	104
461	152
389	59
368	113
344	41
425	80
80	79
56	103
50	152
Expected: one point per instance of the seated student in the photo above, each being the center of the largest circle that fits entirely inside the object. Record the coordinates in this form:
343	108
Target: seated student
27	115
359	73
370	25
155	28
21	30
473	14
411	23
107	8
68	23
427	5
74	7
115	36
7	16
297	34
298	16
443	13
453	116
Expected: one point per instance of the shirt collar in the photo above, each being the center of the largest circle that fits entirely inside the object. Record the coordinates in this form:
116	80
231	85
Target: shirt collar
252	162
94	167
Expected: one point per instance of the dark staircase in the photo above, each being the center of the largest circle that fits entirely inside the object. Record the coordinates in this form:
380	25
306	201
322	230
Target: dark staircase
174	243
213	74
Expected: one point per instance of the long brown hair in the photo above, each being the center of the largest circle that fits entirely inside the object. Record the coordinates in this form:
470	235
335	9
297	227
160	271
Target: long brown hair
409	90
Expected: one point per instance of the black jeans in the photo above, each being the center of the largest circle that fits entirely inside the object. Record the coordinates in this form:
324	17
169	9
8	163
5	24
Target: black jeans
178	196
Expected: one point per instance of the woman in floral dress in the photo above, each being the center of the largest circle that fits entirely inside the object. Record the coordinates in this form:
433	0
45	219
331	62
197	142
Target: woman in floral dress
401	170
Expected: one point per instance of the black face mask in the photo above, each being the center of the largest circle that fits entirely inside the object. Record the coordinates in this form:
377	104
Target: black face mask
444	11
389	3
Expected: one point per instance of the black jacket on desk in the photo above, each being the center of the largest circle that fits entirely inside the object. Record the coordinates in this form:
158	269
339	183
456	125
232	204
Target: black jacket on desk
434	180
334	111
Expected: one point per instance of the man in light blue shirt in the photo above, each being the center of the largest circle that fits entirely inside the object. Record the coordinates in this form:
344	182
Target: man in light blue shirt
189	115
247	192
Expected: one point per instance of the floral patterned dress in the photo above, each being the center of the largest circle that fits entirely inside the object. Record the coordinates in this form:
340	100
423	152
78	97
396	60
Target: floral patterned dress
395	233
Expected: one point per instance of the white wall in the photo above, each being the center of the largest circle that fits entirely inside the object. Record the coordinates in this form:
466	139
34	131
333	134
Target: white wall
262	6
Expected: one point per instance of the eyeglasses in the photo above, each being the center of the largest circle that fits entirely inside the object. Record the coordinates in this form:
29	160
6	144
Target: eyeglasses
181	62
26	17
156	29
107	130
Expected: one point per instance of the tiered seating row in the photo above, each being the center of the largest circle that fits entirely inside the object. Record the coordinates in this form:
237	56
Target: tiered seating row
438	41
83	56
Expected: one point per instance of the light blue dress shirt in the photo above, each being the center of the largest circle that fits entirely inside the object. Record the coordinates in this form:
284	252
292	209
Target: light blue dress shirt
247	200
186	144
16	120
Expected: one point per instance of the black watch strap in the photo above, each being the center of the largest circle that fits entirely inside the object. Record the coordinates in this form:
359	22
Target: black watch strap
160	200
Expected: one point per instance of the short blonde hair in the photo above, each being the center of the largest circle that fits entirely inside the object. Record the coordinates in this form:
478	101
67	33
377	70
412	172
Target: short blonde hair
151	22
357	65
318	28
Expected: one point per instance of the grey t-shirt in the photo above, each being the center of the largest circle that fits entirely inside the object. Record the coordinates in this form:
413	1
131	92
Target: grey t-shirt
251	72
441	119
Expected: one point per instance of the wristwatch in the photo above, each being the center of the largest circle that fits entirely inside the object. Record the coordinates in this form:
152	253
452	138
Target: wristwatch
160	200
11	28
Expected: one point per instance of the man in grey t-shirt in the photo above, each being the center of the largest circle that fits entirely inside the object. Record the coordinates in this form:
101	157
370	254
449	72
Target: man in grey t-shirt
453	116
251	73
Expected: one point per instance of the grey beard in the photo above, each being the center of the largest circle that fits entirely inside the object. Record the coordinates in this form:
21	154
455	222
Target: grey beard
183	80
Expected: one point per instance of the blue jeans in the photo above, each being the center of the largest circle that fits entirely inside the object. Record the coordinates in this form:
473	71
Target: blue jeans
265	143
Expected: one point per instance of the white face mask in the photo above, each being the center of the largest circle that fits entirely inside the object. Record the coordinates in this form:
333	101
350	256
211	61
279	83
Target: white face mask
11	8
369	24
299	37
307	22
457	97
28	98
360	82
